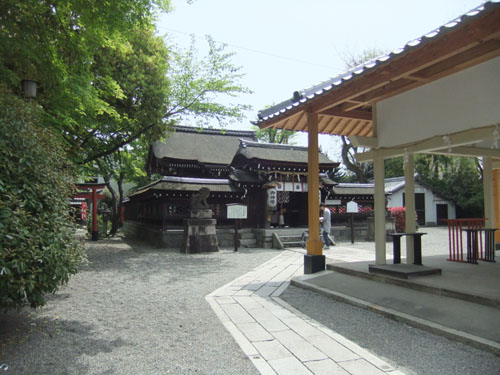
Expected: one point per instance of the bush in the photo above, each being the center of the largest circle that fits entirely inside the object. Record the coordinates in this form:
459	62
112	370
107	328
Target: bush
399	214
38	246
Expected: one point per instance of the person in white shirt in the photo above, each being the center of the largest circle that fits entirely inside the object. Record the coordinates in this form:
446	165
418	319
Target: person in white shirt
326	225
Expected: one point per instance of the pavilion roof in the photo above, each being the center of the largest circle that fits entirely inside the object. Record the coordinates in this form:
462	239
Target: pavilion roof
344	103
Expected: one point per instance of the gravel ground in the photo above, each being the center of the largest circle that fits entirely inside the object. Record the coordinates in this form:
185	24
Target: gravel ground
133	309
409	349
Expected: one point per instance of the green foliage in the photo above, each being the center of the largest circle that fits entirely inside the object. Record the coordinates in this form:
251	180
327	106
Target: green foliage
198	85
132	81
393	167
271	135
456	178
38	246
56	43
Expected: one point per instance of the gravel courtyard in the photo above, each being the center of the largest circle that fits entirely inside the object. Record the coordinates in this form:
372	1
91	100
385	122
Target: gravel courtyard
136	309
132	309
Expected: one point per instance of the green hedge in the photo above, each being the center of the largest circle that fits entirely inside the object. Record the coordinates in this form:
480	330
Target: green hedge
38	246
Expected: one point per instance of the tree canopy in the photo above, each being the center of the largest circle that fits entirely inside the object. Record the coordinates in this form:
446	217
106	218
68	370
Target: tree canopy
56	44
270	135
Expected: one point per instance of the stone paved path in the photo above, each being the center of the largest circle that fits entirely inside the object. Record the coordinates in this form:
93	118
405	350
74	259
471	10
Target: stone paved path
279	339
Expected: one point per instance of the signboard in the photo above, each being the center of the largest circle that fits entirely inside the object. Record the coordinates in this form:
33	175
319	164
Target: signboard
272	198
333	202
236	211
352	207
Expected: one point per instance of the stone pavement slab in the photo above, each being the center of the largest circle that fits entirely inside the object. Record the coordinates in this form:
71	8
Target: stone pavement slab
279	339
462	320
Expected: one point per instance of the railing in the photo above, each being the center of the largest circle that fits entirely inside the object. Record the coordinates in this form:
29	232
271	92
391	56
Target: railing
474	250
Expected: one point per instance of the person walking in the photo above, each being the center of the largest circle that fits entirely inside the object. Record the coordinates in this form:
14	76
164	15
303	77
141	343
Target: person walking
326	225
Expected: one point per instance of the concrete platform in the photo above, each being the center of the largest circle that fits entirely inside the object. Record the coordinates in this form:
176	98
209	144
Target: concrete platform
463	303
403	271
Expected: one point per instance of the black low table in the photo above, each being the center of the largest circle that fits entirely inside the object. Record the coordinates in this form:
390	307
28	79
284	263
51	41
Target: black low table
417	247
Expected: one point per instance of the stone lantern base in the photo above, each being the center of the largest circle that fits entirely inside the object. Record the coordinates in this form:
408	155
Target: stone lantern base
199	233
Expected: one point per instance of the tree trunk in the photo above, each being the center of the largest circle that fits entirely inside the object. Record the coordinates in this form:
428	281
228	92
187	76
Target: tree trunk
353	167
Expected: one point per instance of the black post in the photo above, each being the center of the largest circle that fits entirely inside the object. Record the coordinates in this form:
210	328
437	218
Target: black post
489	242
352	227
236	234
472	245
396	248
417	248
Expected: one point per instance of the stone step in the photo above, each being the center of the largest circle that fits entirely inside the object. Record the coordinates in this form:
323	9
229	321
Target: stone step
249	243
292	244
290	238
229	236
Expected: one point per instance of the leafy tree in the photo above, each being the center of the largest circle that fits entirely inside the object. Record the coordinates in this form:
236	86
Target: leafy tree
55	43
58	44
271	135
458	179
394	167
362	172
38	247
151	102
199	87
131	78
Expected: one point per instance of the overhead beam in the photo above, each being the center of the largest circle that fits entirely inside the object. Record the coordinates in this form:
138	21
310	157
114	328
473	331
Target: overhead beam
435	143
473	56
360	141
468	151
356	114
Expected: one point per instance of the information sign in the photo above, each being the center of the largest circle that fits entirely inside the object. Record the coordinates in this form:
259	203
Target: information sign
236	211
352	207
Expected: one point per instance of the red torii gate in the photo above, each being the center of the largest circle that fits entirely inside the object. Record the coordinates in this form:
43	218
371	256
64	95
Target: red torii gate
94	195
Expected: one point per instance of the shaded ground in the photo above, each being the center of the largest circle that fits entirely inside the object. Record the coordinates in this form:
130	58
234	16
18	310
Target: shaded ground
132	310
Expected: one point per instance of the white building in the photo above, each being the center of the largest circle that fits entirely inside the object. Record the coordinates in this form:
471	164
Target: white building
430	206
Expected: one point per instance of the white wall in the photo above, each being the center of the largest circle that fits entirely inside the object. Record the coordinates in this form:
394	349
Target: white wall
464	100
396	199
431	202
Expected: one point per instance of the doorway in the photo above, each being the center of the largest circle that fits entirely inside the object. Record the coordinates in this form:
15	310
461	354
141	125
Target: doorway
441	214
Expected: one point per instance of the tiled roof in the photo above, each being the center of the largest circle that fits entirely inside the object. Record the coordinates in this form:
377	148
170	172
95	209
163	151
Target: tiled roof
187	184
204	146
278	153
354	189
360	125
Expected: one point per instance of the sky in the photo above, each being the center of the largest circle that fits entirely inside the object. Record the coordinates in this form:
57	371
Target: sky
289	45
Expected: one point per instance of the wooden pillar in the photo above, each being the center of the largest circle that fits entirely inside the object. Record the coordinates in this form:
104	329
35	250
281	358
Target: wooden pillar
95	230
410	212
496	202
314	260
378	171
489	209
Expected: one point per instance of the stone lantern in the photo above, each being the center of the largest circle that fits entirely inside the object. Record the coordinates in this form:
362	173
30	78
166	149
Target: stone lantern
29	88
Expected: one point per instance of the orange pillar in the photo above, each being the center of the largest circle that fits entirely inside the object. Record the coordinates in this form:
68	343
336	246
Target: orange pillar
496	202
314	260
